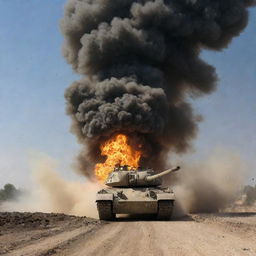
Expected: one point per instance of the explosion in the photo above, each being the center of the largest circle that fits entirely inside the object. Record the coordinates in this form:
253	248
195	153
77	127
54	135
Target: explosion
118	152
140	61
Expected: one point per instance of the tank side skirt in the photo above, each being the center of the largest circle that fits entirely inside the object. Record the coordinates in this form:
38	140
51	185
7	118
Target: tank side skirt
104	197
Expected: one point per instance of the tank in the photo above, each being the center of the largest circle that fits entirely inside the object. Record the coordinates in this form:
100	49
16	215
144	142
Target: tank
135	191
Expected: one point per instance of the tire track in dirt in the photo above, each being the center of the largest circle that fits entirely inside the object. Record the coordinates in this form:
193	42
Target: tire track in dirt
156	238
197	235
44	243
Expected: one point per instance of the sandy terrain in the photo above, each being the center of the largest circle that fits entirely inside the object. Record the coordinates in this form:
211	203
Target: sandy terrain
56	234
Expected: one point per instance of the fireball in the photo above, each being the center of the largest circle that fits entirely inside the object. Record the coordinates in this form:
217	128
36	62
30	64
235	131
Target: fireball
117	152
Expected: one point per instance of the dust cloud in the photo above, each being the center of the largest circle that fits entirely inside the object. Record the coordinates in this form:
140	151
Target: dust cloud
203	185
52	193
209	184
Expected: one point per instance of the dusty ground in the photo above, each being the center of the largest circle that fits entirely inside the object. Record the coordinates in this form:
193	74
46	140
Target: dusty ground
230	233
41	233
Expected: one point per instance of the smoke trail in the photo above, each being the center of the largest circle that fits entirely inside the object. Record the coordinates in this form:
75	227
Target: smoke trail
141	60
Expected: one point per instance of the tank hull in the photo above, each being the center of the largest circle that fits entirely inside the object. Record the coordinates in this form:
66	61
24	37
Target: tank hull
136	200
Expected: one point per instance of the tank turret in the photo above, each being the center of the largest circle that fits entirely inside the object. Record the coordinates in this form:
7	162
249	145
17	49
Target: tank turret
121	177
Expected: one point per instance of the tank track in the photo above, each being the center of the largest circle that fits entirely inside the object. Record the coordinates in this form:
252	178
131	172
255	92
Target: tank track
105	210
165	209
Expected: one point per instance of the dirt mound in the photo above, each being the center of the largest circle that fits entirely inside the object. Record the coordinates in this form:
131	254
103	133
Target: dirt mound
17	220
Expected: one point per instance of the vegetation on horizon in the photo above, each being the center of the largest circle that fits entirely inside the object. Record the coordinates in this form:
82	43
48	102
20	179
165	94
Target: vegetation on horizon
250	193
9	192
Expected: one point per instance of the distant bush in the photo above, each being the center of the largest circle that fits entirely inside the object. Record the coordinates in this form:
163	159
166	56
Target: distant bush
250	193
9	192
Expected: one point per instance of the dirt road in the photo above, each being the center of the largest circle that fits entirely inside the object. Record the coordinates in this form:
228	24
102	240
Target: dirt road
213	234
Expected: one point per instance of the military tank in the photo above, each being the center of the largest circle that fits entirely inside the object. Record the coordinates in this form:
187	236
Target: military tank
135	191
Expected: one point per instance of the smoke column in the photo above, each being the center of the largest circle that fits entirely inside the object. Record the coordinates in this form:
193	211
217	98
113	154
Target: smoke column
140	61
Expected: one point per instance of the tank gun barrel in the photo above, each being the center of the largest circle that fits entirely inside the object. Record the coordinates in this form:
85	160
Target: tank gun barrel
153	177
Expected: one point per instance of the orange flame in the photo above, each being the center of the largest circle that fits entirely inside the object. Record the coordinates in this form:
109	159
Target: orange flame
118	151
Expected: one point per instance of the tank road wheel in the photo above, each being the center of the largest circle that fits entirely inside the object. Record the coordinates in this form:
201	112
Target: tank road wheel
105	210
165	210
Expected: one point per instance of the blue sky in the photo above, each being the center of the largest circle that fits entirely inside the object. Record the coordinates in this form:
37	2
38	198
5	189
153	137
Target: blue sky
34	76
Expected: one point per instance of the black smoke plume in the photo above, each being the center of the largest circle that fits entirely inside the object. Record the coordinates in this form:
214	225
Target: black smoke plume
141	61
